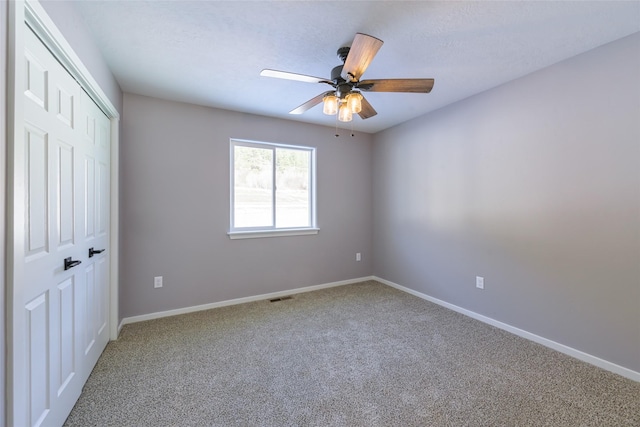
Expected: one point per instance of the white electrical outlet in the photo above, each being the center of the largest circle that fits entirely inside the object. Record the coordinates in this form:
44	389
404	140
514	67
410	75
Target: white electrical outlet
157	282
479	282
358	256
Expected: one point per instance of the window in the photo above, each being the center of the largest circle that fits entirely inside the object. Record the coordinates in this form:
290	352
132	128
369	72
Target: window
272	190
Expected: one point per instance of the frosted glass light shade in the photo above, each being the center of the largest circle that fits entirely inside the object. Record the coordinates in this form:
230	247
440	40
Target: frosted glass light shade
330	106
345	115
354	101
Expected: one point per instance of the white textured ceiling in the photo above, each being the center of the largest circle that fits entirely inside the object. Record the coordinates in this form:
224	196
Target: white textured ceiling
211	52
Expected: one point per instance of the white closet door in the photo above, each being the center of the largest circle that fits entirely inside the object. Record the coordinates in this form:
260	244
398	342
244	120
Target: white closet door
95	229
65	171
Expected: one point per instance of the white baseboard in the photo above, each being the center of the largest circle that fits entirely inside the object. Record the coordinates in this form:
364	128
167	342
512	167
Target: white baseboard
580	355
159	314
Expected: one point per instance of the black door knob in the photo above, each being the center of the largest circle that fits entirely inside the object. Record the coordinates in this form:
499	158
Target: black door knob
92	251
69	263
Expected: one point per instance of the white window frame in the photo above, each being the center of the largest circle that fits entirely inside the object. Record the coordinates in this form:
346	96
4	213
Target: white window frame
272	231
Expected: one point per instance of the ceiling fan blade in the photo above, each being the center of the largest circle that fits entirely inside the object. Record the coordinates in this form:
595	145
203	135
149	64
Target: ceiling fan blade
397	85
367	110
310	103
362	51
293	76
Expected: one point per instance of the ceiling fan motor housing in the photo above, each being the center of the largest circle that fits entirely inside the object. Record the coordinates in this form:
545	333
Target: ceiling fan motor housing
342	86
336	75
343	52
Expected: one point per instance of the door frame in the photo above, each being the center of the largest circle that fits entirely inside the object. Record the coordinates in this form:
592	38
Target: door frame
31	13
4	9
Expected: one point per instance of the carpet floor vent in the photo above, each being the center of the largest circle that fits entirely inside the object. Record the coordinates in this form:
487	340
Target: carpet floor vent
280	299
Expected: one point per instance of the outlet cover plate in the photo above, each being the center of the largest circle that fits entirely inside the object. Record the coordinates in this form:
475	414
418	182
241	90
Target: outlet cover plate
157	282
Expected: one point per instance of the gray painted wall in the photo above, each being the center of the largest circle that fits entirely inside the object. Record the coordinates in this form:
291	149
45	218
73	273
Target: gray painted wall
175	209
534	185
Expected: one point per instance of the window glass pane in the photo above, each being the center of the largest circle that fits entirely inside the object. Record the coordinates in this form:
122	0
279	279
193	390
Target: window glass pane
253	187
293	171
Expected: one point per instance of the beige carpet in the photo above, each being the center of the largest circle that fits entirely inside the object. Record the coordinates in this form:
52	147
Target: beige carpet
356	355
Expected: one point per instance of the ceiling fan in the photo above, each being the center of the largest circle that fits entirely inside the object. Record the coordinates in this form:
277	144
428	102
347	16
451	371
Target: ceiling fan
346	99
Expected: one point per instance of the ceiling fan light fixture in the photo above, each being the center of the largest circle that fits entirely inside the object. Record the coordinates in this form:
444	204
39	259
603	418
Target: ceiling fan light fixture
354	101
330	107
345	114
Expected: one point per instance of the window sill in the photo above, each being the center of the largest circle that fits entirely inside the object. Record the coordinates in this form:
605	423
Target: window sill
272	233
